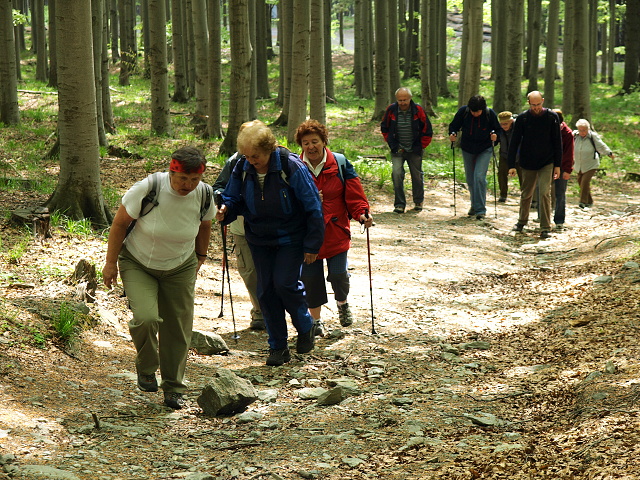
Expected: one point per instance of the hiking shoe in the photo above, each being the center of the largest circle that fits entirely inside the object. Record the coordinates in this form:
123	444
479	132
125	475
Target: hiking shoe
147	383
257	324
518	227
306	341
480	216
534	205
398	210
345	315
418	207
278	357
545	234
174	400
559	227
471	212
582	205
502	199
320	328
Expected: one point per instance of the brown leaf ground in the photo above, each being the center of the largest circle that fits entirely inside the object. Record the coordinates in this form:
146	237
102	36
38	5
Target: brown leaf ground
439	282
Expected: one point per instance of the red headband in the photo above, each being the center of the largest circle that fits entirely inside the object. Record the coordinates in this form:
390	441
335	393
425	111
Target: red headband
177	166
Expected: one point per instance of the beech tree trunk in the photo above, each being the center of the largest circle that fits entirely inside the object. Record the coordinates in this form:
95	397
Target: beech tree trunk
551	60
632	52
300	74
79	190
515	41
160	112
317	88
9	110
381	64
178	44
214	122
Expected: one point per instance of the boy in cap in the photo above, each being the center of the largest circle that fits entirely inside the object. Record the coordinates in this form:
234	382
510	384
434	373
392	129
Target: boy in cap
504	137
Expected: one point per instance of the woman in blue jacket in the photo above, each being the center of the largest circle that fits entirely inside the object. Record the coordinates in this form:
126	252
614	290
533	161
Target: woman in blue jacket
274	192
478	126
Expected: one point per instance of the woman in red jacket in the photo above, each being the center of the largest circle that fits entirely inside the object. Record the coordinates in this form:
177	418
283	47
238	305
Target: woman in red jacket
342	198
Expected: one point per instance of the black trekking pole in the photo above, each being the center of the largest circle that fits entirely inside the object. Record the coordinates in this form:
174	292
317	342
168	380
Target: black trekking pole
225	260
373	325
495	198
453	156
223	231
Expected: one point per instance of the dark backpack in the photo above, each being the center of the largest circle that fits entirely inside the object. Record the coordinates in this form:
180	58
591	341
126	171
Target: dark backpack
149	201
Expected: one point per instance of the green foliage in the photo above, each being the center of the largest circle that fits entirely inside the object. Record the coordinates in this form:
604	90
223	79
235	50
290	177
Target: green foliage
65	324
18	250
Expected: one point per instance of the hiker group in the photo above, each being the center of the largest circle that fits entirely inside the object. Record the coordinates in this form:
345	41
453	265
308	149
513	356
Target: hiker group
290	214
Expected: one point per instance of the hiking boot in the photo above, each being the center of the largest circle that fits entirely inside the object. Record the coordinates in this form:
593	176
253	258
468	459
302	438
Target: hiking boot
545	234
320	328
559	227
398	210
147	383
257	324
518	227
278	357
418	207
502	199
534	205
306	341
345	315
582	205
471	212
174	400
480	216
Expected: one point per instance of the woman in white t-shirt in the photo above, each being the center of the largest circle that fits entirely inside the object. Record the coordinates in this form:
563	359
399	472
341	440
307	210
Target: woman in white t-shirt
158	262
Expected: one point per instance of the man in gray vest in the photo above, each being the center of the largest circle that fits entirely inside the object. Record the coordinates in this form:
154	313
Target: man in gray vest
408	132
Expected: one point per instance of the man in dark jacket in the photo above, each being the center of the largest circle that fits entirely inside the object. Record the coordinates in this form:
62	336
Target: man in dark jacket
408	132
536	139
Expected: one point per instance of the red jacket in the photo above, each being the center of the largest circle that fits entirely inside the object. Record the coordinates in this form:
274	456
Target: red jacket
340	202
567	148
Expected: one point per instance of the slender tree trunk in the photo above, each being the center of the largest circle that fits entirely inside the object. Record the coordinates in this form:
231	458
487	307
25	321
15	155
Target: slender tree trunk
107	111
253	89
53	59
240	73
499	62
582	77
201	51
127	49
79	189
18	32
411	43
190	44
328	50
394	52
41	40
604	59
593	40
214	122
286	62
357	48
515	42
263	32
473	59
364	49
115	30
300	74
632	52
535	23
97	17
9	110
463	52
426	66
144	14
317	88
568	57
551	59
613	33
429	32
381	64
443	76
160	113
178	44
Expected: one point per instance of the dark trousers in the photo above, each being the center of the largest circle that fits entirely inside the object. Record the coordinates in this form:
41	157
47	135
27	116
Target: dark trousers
280	290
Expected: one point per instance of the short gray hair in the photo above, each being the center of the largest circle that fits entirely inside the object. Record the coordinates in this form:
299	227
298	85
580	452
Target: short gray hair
583	123
403	89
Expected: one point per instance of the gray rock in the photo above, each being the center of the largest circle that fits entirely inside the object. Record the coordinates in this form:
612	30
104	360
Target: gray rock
603	279
268	396
349	386
450	357
311	393
631	266
208	343
352	461
610	367
200	476
592	376
486	419
7	458
248	417
105	427
226	394
332	397
505	447
37	472
477	345
401	401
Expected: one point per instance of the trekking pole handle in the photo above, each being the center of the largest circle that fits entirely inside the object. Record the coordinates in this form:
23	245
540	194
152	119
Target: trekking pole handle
217	198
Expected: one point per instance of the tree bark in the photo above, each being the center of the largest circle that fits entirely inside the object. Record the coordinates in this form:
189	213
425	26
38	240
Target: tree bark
473	60
240	73
79	190
534	34
53	61
9	110
285	31
201	44
499	37
394	52
568	57
300	74
178	45
582	75
97	17
317	87
115	30
214	122
443	75
107	111
515	42
328	50
551	59
263	33
41	41
613	33
632	44
160	112
381	64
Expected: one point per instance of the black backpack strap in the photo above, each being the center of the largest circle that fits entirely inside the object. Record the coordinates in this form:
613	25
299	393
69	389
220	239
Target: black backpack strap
148	201
205	204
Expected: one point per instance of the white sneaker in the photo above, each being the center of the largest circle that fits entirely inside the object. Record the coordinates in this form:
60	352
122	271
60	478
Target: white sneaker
320	328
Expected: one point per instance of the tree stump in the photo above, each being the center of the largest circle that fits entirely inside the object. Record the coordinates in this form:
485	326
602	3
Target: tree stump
35	217
632	177
85	280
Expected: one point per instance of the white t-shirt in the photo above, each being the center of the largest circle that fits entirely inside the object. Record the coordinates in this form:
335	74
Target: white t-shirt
165	237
